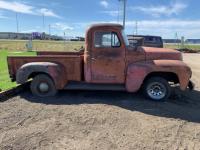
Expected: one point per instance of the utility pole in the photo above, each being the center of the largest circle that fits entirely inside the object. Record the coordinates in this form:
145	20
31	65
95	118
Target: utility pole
124	12
43	21
118	14
49	29
64	40
176	39
17	23
136	28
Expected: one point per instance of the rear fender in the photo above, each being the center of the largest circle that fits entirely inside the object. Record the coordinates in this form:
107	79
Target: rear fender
136	73
55	71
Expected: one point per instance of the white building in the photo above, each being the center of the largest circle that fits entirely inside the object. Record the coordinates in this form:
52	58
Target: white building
13	35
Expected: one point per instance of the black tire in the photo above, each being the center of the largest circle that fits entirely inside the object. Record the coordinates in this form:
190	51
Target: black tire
43	86
157	89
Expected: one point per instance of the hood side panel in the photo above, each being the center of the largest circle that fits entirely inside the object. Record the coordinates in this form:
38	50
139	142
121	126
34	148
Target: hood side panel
161	53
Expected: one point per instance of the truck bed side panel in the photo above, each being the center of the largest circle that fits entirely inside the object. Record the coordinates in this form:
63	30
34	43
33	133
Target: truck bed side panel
42	53
72	64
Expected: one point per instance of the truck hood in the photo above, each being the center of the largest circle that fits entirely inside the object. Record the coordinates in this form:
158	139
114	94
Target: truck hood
161	53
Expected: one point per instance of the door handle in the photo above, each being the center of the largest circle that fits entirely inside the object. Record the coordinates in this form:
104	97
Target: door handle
94	59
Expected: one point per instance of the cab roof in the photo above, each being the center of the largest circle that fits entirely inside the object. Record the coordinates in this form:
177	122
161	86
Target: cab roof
102	25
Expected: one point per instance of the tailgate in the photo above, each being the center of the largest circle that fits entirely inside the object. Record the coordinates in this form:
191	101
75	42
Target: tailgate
11	69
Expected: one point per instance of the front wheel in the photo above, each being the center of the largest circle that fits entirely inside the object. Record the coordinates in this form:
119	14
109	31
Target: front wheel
157	89
43	86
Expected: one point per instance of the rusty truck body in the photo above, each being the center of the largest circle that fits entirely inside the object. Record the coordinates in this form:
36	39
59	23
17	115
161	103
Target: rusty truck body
107	63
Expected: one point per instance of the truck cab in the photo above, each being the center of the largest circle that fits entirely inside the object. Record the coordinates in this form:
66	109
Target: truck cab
105	54
108	62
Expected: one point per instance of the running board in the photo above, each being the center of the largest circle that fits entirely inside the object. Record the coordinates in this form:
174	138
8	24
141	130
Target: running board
94	87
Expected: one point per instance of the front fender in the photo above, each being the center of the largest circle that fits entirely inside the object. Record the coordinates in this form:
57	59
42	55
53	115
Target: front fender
137	72
55	71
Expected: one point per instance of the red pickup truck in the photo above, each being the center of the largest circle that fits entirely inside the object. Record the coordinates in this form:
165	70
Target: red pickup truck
108	62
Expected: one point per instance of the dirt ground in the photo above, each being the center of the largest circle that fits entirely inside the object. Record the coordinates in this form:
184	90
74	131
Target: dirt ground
103	120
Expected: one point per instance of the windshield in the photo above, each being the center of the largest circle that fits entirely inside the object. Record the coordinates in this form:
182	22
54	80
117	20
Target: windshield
125	38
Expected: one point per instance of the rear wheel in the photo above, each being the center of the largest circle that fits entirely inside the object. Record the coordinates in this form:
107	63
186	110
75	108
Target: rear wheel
157	89
43	86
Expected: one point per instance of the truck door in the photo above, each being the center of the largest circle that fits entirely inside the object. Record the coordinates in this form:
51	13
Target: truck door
107	57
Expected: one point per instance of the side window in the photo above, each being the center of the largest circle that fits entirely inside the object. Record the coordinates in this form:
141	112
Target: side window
115	40
106	39
152	39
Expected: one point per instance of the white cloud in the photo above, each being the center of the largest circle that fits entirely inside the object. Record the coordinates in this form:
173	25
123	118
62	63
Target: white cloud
157	11
168	28
165	28
33	29
26	9
47	12
112	13
16	7
104	3
172	23
29	31
57	28
61	26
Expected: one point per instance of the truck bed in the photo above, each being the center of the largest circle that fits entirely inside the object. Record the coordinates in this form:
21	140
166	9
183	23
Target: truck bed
72	63
77	53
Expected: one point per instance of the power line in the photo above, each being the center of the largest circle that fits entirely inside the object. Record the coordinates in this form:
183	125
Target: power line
136	28
17	23
43	21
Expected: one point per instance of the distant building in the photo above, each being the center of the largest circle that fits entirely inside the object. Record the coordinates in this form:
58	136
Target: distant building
27	36
193	41
80	38
13	35
77	38
171	41
189	41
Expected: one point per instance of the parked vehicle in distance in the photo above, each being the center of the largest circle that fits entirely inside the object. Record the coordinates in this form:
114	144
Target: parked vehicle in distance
148	41
136	41
108	62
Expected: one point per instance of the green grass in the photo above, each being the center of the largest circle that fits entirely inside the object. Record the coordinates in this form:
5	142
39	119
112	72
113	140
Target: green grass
187	46
5	82
42	45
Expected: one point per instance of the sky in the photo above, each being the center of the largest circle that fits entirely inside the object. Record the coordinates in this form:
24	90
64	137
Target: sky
166	18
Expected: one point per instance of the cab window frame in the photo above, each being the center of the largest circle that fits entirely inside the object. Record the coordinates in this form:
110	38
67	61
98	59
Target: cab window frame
113	35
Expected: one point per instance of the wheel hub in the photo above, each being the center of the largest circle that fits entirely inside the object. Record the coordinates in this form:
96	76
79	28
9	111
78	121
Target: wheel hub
43	87
156	91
